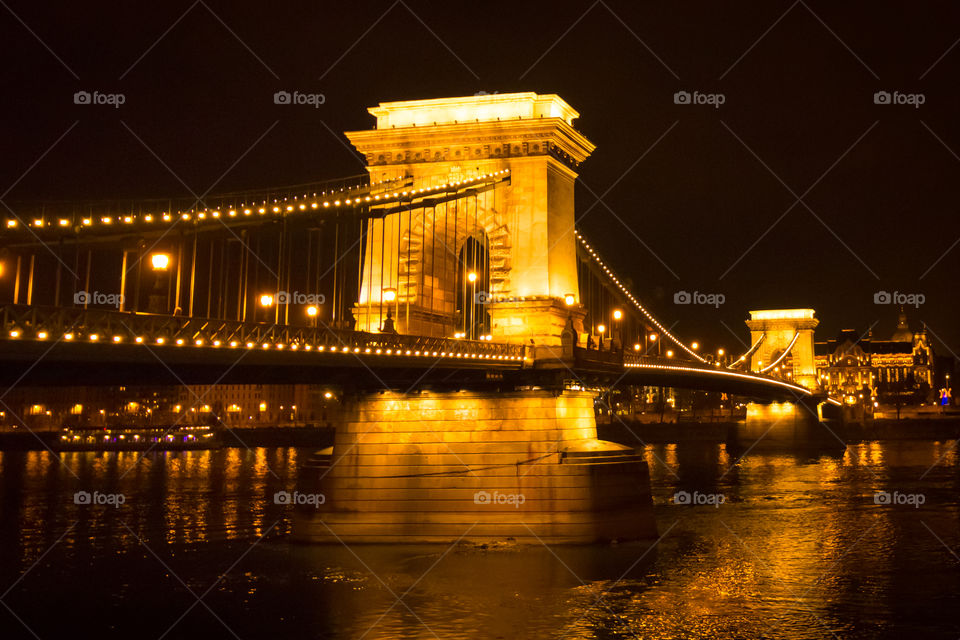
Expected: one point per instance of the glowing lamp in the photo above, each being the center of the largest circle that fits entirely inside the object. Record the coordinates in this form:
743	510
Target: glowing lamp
266	300
160	261
569	299
389	294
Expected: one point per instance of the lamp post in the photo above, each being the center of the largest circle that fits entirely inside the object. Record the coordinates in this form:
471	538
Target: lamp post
388	295
312	312
569	300
601	329
470	308
617	333
266	301
158	302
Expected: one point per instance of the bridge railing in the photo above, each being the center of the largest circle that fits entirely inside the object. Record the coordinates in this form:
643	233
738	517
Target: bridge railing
22	322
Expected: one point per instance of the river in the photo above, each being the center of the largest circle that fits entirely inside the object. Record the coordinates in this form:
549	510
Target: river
859	544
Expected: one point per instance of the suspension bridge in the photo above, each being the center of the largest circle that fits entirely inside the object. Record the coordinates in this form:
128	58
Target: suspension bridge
447	291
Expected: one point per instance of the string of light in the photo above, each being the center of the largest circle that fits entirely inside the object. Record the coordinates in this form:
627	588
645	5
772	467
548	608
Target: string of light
783	355
721	372
464	352
285	206
632	299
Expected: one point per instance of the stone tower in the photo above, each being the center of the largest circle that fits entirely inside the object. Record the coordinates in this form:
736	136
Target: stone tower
778	327
526	224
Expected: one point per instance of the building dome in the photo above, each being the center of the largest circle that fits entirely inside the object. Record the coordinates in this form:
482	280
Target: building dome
903	333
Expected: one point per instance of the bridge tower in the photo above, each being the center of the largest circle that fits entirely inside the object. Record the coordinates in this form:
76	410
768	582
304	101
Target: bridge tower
523	230
786	351
511	458
780	330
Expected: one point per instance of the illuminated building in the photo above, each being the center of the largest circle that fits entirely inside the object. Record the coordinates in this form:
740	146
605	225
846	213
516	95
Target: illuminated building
855	367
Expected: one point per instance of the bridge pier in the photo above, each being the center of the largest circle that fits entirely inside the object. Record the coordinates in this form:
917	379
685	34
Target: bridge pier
794	425
479	466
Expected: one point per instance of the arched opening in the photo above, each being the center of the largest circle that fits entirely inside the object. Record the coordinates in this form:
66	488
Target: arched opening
473	287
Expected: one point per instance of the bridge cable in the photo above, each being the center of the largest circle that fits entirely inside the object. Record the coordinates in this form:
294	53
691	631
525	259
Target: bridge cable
634	300
796	336
749	352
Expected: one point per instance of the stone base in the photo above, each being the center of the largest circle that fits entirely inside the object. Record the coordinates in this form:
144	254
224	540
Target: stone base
477	467
785	426
541	320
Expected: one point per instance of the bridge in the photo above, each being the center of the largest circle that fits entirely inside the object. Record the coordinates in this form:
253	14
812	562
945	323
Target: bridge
447	292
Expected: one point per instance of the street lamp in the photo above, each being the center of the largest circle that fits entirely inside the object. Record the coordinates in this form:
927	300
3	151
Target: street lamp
160	261
653	339
266	301
312	312
616	334
388	295
569	299
695	345
158	301
472	276
601	329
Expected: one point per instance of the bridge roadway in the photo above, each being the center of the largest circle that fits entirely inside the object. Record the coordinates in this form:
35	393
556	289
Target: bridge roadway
69	346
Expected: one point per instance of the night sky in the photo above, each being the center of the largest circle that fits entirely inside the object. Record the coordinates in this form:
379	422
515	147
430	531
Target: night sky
694	198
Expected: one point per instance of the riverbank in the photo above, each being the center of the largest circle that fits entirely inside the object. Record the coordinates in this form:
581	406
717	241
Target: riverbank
308	436
633	433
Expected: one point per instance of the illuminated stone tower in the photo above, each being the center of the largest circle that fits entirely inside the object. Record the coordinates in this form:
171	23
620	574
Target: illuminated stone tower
781	328
526	225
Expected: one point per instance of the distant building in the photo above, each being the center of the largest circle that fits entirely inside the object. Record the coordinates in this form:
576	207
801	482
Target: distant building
859	368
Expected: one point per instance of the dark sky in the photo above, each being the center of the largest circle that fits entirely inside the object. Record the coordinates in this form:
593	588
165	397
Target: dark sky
703	210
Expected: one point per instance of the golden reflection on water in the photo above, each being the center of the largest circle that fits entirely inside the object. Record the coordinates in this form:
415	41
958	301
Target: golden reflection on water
798	549
186	497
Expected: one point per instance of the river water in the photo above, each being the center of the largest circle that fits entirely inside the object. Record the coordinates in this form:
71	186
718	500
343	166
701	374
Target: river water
770	546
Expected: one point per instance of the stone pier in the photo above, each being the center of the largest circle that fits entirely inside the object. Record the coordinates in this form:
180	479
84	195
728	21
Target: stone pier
797	425
435	466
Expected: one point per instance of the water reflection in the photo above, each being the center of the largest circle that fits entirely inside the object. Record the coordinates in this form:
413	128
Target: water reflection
798	548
